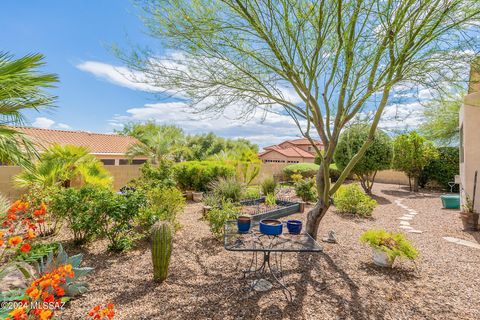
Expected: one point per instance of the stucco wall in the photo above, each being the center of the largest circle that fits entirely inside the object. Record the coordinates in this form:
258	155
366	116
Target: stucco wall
470	146
273	155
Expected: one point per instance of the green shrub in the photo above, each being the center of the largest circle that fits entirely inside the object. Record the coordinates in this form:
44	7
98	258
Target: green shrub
394	244
227	189
306	190
268	186
76	207
197	175
212	200
443	169
252	193
117	213
307	170
218	216
271	200
155	176
162	204
296	177
351	199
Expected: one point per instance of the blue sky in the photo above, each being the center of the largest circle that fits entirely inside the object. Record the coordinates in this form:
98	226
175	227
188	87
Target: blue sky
75	37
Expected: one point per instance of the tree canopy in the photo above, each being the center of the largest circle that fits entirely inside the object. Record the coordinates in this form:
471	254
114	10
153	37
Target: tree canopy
320	62
378	155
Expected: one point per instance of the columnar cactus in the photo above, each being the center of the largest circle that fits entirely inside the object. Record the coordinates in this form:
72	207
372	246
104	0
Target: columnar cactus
162	236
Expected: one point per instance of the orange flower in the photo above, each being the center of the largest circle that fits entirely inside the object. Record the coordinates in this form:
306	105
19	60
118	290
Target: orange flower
13	241
34	293
12	216
18	313
31	234
45	314
60	292
1	242
25	247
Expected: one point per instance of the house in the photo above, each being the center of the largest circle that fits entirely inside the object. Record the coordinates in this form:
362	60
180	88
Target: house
470	141
290	151
111	149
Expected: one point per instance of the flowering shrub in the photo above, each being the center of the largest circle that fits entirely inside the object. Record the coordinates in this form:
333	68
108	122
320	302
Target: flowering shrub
18	228
99	313
44	295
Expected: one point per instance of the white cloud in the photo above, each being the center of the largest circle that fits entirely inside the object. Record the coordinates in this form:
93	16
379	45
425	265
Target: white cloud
42	122
63	126
118	75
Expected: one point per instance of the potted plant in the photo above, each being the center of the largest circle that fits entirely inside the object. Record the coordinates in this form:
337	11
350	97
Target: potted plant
469	216
388	246
243	223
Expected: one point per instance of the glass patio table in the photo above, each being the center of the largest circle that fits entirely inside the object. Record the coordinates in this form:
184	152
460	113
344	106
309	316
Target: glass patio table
270	246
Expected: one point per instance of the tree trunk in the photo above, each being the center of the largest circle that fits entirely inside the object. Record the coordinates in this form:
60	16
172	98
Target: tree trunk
415	184
314	216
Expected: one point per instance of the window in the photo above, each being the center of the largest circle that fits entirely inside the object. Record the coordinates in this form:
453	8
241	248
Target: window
138	161
124	162
274	161
108	162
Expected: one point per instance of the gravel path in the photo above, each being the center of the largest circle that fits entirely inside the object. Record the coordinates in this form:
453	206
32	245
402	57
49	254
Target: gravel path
341	283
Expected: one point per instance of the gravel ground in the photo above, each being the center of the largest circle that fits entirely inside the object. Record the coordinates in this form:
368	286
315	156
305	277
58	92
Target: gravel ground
341	283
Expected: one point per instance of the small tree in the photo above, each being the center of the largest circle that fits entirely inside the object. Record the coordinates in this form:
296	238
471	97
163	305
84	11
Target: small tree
412	153
377	157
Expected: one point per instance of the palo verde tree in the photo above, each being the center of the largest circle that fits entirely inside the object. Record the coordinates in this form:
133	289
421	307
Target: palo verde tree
322	62
377	157
411	153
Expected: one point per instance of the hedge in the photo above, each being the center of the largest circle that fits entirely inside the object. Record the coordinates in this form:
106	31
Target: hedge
307	170
443	169
197	175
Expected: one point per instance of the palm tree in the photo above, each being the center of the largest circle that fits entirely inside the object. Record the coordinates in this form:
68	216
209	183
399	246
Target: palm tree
21	88
59	165
164	143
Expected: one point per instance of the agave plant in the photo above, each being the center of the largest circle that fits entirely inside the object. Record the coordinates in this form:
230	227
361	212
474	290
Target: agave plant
72	286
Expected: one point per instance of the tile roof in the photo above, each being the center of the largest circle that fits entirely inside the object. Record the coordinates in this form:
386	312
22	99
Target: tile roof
289	152
96	143
303	141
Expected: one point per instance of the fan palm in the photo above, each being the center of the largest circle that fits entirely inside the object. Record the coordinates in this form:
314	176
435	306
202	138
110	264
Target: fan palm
21	88
58	165
165	143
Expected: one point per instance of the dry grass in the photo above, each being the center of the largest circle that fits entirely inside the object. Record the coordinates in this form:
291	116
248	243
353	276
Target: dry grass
341	283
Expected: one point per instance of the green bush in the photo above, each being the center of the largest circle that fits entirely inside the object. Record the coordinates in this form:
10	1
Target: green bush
307	170
227	189
76	207
218	216
305	189
155	176
443	169
252	192
268	186
351	199
393	244
117	213
197	175
162	204
271	200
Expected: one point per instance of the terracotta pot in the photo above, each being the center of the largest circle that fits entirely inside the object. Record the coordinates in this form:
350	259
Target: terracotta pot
206	209
381	258
302	207
189	194
197	196
470	221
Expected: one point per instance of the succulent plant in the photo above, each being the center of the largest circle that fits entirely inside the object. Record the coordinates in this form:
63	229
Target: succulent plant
72	286
162	240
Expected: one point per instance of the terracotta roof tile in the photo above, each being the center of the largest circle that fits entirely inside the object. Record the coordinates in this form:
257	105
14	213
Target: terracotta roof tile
290	152
303	141
96	143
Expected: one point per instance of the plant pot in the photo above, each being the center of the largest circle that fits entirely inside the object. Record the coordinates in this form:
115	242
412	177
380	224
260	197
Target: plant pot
294	226
271	227
243	224
450	201
189	194
469	220
381	258
197	196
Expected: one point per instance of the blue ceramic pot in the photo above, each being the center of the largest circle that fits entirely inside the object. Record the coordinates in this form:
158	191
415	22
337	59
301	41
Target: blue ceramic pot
294	226
271	227
243	224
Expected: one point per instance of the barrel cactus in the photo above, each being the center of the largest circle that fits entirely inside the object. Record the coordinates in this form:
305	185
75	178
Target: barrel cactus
162	238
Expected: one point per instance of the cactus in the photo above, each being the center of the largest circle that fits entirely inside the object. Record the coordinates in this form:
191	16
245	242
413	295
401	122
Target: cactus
162	236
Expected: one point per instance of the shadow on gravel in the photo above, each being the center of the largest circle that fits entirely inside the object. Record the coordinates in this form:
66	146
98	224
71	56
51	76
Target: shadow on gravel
397	274
405	192
381	200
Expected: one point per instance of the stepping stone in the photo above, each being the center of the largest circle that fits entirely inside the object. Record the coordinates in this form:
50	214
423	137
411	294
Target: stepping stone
404	223
405	218
261	285
463	242
406	227
414	231
411	211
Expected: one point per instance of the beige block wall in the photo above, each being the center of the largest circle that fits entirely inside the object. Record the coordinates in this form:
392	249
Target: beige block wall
121	176
278	156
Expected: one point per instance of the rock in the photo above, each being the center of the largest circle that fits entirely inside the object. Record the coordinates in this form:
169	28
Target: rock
331	237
